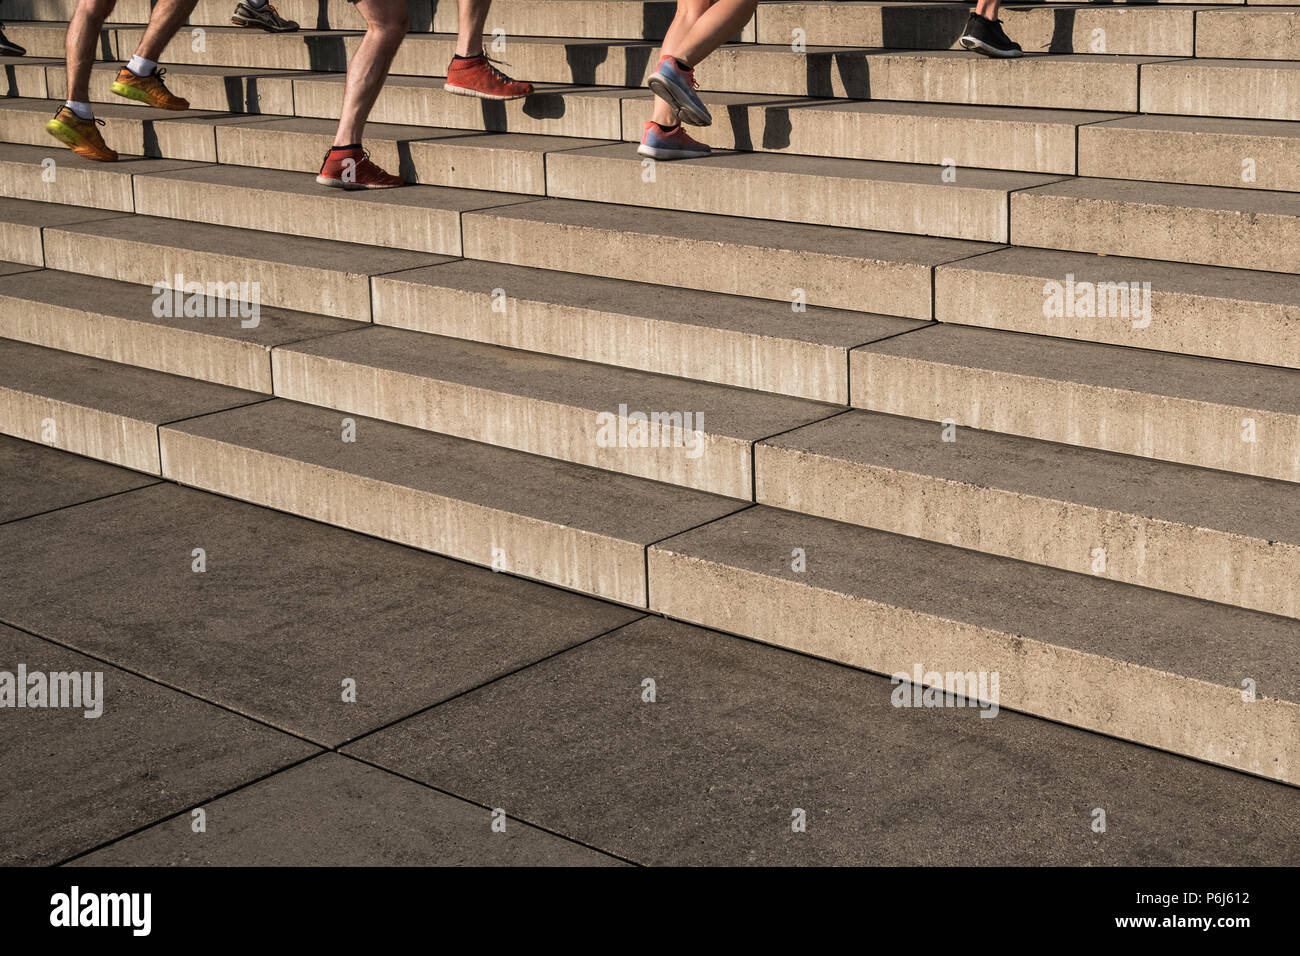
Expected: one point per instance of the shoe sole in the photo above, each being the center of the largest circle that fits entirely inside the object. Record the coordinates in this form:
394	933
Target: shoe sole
70	138
253	23
654	152
140	96
979	46
340	184
685	109
497	97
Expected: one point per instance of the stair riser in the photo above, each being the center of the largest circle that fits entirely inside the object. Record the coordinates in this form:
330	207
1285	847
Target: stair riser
803	370
1133	423
1245	331
1141	704
590	563
1182	559
707	462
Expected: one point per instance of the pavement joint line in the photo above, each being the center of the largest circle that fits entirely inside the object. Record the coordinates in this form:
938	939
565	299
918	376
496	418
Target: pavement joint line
157	432
646	550
189	809
158	682
487	682
484	806
76	504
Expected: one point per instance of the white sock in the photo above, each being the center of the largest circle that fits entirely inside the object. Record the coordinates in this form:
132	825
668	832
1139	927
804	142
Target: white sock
141	67
81	109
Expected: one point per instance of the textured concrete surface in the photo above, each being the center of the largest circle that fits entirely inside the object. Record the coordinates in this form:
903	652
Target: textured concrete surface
1207	534
332	811
1238	314
842	268
421	219
740	736
295	272
731	340
1156	668
1198	411
22	223
99	409
1248	229
75	782
115	321
828	191
285	611
44	174
1250	89
36	478
574	411
537	517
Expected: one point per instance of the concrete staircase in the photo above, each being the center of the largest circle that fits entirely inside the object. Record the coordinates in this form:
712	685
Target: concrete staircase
972	365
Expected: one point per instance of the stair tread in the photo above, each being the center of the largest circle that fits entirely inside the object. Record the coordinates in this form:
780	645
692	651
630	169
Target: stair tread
1104	366
1174	634
1255	507
728	411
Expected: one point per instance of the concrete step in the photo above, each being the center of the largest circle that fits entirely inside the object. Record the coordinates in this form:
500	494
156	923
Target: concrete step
1205	534
52	174
986	137
1070	81
418	218
1190	309
698	435
1260	33
1250	89
217	341
1058	28
858	194
225	89
464	159
554	109
292	272
26	76
1197	411
1163	670
131	130
730	340
1202	150
853	269
571	526
23	223
1239	228
99	409
45	38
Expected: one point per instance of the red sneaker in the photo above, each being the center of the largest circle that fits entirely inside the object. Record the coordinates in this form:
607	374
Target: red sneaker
476	76
351	168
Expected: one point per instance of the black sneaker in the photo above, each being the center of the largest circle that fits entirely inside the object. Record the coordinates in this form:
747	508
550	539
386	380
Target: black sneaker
987	37
9	47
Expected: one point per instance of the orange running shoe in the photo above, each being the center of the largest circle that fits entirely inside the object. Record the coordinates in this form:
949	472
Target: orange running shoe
476	76
80	135
148	89
349	167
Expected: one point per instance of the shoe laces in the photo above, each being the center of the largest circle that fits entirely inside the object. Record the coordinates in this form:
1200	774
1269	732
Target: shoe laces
495	72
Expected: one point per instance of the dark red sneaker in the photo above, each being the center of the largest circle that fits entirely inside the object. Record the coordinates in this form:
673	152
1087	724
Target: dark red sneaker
476	76
351	168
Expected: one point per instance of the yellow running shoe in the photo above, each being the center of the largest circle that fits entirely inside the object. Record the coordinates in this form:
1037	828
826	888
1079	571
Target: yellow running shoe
80	135
147	89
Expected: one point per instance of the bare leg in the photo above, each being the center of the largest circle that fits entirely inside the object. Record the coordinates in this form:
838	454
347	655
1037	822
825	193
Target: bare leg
167	17
469	34
386	25
722	22
81	43
988	9
688	12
